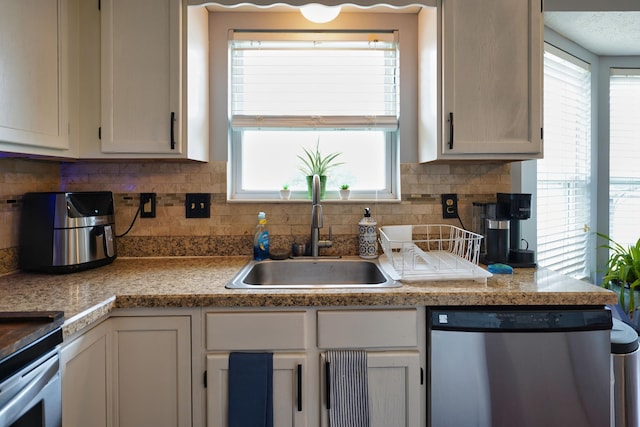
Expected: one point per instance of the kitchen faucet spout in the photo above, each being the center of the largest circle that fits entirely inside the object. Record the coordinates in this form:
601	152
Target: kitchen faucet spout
317	219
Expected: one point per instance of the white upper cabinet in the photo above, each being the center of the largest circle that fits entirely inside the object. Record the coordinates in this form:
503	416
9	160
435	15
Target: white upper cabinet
34	77
490	78
143	85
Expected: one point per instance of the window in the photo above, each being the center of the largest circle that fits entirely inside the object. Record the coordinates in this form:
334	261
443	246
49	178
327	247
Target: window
290	90
564	175
624	172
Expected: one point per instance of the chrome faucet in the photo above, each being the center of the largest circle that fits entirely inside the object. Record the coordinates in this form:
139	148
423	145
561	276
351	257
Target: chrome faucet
317	220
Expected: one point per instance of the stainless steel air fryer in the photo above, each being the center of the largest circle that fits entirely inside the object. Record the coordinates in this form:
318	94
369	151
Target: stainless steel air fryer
65	232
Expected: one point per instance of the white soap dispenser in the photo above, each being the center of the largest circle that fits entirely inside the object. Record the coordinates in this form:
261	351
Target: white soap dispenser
368	236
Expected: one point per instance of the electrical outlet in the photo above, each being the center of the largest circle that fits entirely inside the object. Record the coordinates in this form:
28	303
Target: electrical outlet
147	205
198	205
450	205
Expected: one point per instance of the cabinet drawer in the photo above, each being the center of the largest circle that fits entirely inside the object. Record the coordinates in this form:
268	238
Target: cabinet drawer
367	328
255	331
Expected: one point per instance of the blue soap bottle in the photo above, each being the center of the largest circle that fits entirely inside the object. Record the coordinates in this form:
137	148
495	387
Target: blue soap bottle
261	239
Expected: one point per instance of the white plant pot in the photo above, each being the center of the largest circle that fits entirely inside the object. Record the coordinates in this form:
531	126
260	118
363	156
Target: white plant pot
285	194
344	194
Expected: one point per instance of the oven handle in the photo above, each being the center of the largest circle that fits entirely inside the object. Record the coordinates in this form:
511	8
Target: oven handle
12	411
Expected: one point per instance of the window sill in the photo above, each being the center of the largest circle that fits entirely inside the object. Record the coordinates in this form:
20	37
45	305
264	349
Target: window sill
308	201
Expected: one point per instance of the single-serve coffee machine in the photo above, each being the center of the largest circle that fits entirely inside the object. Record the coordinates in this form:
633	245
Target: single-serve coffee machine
499	223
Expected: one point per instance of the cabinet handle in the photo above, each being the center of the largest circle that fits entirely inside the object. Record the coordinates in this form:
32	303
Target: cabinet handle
173	138
299	388
450	131
327	383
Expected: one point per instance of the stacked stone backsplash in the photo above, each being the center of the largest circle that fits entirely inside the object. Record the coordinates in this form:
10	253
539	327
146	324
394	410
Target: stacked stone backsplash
230	229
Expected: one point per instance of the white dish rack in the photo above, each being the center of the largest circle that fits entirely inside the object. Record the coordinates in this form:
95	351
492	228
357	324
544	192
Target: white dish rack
431	252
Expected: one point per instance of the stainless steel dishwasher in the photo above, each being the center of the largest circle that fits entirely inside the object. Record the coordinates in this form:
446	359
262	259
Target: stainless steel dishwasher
526	368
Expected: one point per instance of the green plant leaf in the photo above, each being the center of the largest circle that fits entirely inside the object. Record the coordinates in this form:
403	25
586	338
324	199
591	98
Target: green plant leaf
313	163
623	270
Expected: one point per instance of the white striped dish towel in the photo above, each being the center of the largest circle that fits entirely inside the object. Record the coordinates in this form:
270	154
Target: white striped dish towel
348	397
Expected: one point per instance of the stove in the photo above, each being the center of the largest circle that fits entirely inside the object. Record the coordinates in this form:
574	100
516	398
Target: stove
30	391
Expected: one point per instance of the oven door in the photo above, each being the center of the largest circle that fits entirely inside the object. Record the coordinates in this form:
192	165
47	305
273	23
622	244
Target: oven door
33	395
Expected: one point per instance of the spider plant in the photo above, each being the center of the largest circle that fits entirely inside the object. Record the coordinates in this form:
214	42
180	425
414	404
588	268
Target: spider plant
314	163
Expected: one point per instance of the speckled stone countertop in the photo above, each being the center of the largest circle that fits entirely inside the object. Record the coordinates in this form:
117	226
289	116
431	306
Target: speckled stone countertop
89	296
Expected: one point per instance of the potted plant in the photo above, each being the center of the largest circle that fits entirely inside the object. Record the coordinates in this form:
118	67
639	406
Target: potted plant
285	193
314	163
623	273
344	192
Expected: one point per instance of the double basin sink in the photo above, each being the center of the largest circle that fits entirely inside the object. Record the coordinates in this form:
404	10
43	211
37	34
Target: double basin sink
312	273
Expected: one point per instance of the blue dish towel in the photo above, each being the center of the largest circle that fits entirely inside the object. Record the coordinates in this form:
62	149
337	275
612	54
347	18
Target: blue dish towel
250	390
348	388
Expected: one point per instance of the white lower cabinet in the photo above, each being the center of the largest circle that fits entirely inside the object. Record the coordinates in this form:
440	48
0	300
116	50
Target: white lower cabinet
394	389
129	371
298	338
142	367
289	383
391	338
86	379
152	365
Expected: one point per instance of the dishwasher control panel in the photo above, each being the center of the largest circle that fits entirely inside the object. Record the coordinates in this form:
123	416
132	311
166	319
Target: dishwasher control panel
520	320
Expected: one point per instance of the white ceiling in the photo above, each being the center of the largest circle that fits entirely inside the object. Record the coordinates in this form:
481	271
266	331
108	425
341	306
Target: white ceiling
602	33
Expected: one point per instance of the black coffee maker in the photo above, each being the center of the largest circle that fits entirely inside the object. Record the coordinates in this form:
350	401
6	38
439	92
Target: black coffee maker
515	207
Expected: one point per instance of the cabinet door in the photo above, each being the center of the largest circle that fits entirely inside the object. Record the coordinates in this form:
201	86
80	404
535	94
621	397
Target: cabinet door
86	374
152	361
33	77
492	78
395	396
289	389
141	76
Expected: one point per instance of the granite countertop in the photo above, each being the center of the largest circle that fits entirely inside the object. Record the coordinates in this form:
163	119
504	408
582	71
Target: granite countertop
88	296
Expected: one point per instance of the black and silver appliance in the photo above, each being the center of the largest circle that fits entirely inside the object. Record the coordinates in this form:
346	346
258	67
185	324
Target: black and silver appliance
530	367
494	248
516	207
30	388
500	223
62	232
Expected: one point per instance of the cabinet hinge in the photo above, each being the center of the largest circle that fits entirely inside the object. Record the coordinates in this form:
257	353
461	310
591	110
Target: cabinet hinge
100	132
99	4
542	134
421	376
541	6
205	379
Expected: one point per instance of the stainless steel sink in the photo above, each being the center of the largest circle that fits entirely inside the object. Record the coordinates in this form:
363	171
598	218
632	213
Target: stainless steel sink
312	273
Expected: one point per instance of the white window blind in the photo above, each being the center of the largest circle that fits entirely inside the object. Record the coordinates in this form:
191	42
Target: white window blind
624	161
318	80
564	175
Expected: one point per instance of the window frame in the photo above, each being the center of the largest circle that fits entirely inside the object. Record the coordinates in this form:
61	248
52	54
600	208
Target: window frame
392	169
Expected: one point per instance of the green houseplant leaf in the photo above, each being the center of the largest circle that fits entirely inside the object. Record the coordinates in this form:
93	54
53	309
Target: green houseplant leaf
313	163
623	271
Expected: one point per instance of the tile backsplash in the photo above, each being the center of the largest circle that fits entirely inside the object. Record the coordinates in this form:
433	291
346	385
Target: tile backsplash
230	229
